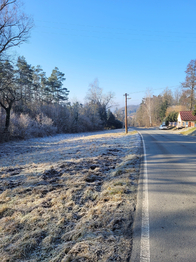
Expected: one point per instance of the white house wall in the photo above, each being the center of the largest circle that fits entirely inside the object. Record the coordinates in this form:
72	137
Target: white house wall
179	120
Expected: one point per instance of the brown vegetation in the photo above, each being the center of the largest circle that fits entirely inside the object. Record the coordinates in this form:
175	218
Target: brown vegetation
176	108
79	208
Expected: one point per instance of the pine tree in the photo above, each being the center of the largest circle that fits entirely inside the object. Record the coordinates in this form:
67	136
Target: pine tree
25	81
55	88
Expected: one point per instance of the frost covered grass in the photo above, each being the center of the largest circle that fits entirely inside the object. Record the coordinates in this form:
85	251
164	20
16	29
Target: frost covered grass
69	197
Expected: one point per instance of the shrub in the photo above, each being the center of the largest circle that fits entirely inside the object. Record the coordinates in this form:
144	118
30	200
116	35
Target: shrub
23	126
172	117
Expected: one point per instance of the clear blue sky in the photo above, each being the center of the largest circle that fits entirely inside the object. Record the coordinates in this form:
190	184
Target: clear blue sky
128	45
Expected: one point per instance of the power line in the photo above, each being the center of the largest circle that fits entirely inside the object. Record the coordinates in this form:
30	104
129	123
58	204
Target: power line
142	91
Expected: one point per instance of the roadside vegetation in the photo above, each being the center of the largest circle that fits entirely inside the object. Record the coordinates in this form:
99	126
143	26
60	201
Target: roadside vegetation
69	198
191	131
33	104
165	107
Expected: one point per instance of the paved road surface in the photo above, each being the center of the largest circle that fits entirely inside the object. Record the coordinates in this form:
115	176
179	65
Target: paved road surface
171	168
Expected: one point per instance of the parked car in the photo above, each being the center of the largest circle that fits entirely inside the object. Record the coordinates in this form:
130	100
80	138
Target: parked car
162	127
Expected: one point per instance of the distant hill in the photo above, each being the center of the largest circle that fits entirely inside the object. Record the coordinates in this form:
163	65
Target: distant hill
131	109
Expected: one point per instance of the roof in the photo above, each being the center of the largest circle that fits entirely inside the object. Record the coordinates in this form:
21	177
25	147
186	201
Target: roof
187	116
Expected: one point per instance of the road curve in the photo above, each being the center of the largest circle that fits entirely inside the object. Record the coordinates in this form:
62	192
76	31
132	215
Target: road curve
171	168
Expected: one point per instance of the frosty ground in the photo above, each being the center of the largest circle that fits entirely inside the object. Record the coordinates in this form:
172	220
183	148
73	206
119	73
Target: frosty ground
69	197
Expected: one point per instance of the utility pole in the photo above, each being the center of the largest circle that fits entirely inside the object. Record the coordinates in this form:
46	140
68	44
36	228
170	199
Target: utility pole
126	129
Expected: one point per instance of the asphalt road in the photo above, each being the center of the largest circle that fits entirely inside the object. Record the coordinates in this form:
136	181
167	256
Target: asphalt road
171	170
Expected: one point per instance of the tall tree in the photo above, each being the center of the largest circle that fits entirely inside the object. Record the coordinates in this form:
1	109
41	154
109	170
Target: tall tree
141	118
95	95
190	81
9	92
185	99
14	25
194	111
148	105
38	88
98	101
112	122
167	96
167	100
56	91
177	95
25	80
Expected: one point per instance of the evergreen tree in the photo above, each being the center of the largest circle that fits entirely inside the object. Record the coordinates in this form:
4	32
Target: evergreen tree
112	122
25	82
37	82
163	109
55	89
172	117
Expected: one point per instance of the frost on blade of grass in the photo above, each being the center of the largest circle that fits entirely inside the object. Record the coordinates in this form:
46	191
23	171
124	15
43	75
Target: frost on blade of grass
69	197
126	165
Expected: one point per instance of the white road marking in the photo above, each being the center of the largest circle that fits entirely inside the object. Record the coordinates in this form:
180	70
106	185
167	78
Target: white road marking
145	231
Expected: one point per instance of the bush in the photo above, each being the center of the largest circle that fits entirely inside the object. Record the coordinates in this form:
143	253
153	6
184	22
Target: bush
172	117
23	126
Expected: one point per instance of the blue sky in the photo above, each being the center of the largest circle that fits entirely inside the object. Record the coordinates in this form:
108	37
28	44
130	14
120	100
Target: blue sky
128	45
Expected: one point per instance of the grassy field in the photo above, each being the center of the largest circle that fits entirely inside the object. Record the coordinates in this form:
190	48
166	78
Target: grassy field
69	198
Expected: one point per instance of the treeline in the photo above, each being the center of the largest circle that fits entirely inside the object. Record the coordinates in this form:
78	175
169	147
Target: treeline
165	107
34	105
155	109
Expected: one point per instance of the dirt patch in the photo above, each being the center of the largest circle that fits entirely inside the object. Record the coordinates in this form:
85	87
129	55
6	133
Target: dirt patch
76	209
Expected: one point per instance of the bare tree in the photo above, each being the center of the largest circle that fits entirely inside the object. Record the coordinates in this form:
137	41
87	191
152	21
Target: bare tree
14	25
177	95
190	81
98	101
95	95
148	105
167	96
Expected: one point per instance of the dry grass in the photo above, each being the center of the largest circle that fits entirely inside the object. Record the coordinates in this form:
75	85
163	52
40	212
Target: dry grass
79	208
191	131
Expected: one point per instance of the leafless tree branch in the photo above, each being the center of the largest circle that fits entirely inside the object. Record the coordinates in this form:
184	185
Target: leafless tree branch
15	26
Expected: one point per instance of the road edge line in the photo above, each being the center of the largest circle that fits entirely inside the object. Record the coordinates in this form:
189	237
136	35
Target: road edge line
145	230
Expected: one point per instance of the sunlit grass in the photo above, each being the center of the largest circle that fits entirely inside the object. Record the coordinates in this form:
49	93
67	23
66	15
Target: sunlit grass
70	202
190	131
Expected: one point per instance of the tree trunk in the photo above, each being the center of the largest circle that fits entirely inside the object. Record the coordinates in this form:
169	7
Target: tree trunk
7	120
192	96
